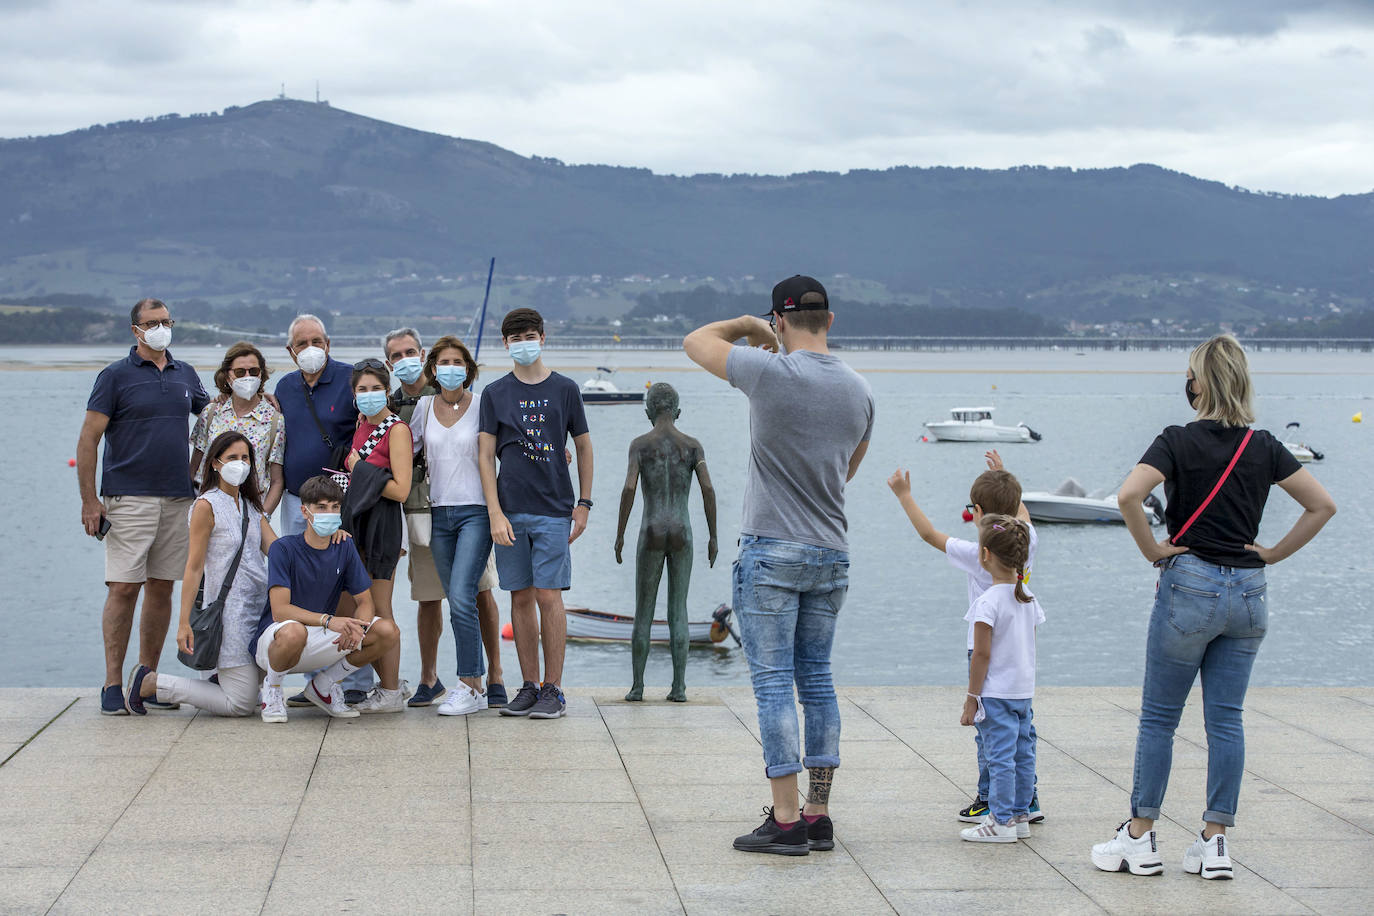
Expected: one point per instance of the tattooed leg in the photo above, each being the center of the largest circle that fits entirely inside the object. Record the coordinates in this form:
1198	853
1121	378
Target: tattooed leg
818	790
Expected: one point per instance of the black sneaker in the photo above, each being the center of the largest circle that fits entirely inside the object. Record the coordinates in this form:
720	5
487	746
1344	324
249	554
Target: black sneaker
298	701
975	812
820	834
550	704
352	696
769	837
523	702
112	701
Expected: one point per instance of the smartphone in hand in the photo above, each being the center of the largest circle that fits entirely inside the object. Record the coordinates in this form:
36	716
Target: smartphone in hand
104	528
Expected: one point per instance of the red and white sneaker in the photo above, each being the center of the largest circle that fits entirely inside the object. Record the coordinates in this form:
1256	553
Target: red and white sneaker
273	703
333	703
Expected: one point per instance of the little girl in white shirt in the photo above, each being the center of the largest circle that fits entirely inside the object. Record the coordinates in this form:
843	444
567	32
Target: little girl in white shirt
1001	679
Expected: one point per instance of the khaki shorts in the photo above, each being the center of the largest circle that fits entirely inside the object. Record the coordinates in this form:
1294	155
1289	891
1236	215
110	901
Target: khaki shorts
424	578
488	580
148	538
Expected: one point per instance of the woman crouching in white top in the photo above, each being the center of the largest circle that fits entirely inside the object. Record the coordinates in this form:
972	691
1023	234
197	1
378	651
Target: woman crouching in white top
445	425
229	489
1001	679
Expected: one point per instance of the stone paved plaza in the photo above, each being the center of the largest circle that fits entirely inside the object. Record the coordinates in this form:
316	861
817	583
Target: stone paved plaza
630	808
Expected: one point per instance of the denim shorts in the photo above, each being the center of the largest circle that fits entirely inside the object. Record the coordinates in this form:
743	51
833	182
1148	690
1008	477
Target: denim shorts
541	556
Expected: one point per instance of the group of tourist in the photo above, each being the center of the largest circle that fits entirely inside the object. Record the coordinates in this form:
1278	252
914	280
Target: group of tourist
477	491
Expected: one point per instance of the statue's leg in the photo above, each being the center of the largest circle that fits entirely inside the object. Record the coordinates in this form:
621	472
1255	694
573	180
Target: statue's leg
679	579
648	574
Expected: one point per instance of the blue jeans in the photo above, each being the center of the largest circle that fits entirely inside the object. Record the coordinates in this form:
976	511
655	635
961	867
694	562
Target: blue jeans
541	556
983	760
787	596
1008	743
1209	618
460	539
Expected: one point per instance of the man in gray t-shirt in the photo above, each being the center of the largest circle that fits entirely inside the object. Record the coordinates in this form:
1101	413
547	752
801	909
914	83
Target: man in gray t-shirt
810	418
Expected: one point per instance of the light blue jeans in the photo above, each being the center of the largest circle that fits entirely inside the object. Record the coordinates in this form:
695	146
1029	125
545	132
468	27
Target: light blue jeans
460	539
1008	744
787	596
1211	619
983	760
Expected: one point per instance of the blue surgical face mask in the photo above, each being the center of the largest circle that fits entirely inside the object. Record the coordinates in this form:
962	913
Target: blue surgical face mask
408	369
370	403
450	377
525	352
325	523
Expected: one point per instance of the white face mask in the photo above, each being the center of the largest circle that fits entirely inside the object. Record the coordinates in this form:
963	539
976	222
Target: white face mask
234	472
245	387
311	359
159	338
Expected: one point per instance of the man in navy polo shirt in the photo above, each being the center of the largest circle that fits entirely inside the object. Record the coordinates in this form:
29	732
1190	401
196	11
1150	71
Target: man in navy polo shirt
141	406
317	402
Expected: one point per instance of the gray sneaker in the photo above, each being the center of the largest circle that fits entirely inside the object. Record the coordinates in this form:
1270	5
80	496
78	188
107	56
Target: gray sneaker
523	702
550	704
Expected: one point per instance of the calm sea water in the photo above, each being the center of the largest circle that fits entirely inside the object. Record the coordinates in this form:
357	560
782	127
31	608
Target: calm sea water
902	623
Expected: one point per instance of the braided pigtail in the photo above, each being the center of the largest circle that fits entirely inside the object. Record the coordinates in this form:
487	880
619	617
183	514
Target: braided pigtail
1008	540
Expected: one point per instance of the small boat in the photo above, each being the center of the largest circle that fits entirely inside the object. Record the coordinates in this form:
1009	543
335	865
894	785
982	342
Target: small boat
1071	503
974	424
1301	451
599	626
601	390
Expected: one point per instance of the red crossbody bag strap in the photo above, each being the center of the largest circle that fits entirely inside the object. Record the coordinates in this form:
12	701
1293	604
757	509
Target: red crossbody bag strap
1210	496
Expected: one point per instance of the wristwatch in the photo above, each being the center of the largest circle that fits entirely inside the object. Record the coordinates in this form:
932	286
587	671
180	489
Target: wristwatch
585	502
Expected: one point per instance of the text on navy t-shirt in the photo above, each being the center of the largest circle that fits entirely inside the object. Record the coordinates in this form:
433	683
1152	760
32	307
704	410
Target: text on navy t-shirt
531	424
316	578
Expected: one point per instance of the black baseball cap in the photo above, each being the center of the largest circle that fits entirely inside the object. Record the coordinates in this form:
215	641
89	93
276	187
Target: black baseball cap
790	296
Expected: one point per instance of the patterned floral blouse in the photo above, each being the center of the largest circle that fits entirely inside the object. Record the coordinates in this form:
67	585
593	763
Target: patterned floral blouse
257	426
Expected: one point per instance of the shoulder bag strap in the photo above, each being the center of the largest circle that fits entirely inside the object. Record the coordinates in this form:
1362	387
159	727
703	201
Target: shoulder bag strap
376	436
310	404
1210	496
238	554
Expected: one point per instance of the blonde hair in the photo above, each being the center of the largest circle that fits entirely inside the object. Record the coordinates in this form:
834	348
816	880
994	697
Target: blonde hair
1223	376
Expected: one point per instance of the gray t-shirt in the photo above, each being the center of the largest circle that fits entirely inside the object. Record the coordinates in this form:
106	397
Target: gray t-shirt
808	412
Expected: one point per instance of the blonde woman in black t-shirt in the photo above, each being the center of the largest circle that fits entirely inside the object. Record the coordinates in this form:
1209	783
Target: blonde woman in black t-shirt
1210	612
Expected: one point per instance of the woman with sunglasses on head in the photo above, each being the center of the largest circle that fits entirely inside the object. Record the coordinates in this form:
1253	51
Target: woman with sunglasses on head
230	489
380	469
241	379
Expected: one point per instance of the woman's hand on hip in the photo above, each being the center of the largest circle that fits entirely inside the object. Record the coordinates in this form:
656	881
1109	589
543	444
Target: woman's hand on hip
1163	551
1265	553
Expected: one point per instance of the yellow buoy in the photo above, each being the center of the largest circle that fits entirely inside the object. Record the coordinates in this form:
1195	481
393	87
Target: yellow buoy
1358	418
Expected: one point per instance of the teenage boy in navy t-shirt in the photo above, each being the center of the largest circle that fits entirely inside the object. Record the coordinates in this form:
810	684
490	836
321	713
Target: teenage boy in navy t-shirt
299	631
526	417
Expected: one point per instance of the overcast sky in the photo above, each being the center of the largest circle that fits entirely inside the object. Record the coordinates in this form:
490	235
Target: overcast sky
1267	94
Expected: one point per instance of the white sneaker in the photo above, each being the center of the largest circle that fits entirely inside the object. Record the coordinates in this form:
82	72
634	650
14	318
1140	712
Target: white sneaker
380	699
333	704
990	832
1127	853
1022	824
462	700
273	703
1209	858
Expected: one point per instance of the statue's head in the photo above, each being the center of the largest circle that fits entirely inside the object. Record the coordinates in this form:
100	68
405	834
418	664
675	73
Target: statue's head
662	398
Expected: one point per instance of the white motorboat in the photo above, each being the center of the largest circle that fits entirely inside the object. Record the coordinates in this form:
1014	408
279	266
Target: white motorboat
974	424
1071	503
601	390
599	626
1299	450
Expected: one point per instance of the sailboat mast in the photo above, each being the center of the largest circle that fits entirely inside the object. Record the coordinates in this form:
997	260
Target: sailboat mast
482	318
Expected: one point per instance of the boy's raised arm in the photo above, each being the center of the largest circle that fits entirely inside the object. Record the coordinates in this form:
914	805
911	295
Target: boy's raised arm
900	482
995	464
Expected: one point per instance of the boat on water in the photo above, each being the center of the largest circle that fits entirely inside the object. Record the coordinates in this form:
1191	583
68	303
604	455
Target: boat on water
1070	503
600	626
974	424
601	390
1299	450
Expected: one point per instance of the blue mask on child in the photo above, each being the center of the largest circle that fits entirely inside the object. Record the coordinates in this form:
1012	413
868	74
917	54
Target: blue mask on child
325	523
525	352
450	377
408	369
370	403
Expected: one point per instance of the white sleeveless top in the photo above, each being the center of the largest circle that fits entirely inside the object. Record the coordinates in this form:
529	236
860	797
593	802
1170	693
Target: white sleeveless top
247	596
451	453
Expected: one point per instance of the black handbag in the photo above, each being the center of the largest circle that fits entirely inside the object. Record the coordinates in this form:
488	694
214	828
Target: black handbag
207	621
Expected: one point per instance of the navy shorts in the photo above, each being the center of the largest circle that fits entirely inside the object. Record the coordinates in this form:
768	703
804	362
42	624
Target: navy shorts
541	556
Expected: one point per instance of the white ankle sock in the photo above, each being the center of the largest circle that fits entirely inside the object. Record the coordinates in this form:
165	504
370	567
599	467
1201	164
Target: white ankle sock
336	672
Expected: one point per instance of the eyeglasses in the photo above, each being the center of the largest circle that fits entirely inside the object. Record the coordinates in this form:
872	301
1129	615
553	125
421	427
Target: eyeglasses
149	325
370	363
254	371
969	507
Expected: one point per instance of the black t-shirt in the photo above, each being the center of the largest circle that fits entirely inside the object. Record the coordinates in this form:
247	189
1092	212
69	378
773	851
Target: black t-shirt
1192	459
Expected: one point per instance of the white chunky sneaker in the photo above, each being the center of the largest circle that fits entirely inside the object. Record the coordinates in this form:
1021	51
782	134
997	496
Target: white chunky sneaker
333	703
1022	824
990	832
273	703
462	700
1127	853
380	699
1209	858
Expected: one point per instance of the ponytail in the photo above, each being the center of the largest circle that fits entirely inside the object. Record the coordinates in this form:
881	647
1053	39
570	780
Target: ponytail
1021	594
